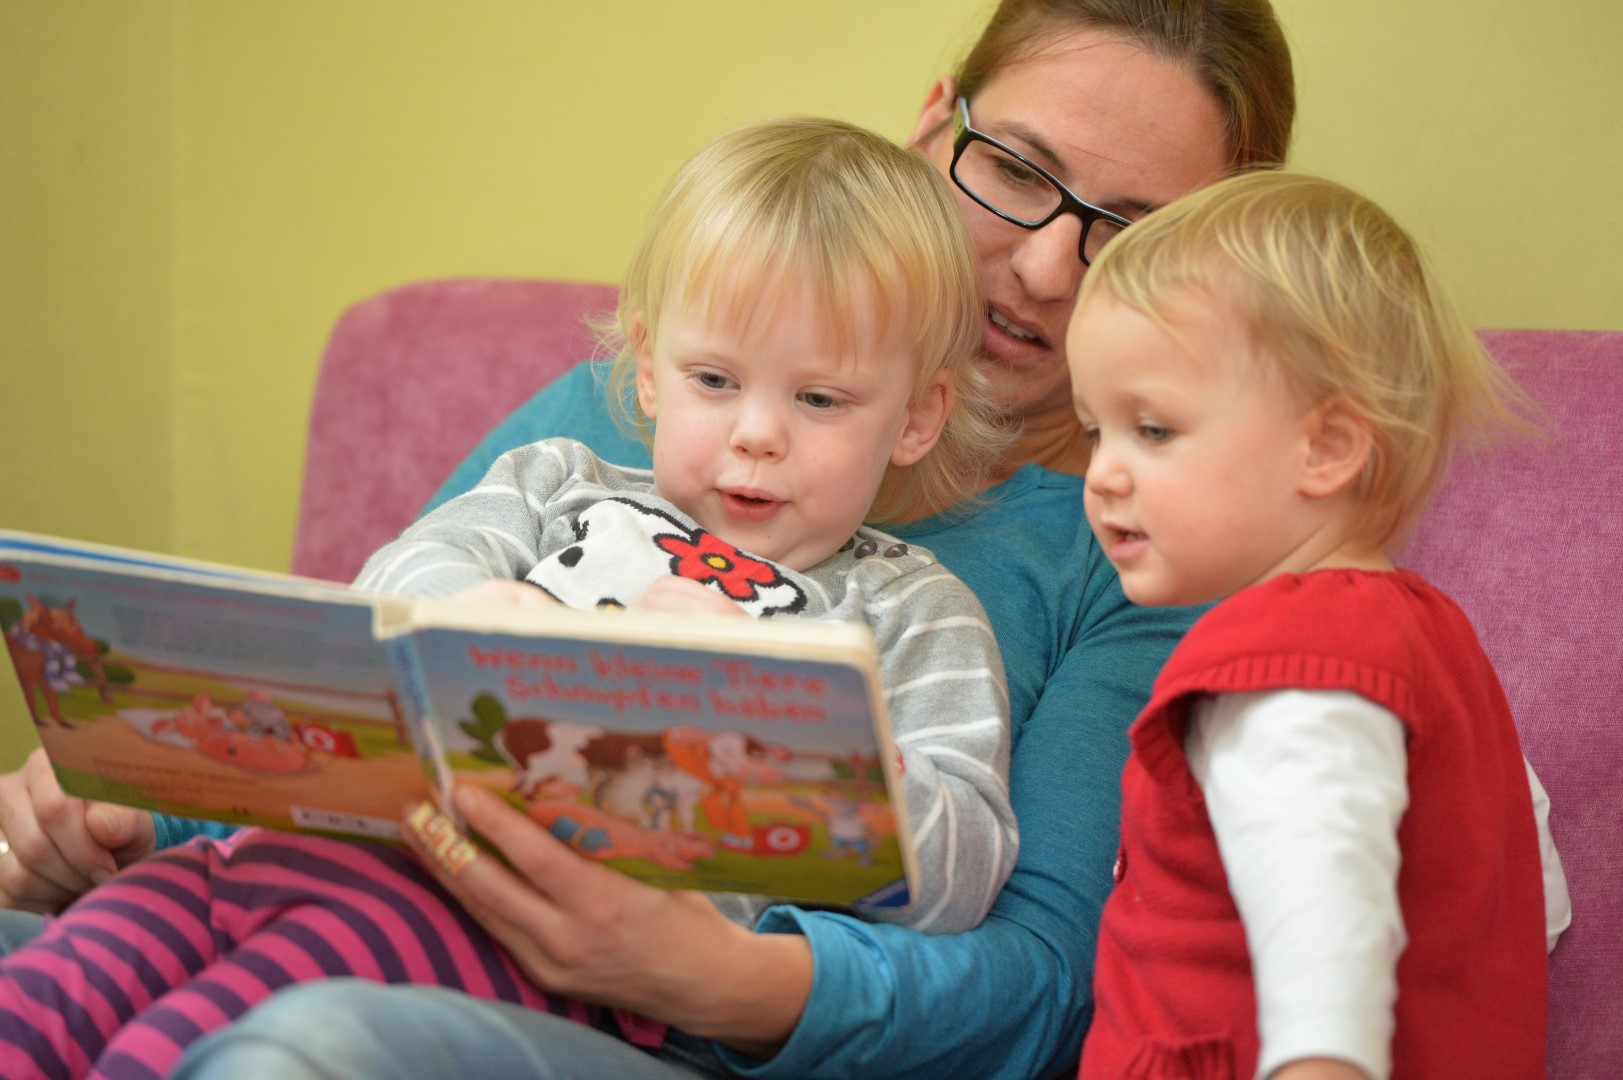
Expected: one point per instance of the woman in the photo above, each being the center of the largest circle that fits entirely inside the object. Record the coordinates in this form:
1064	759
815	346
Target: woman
1127	104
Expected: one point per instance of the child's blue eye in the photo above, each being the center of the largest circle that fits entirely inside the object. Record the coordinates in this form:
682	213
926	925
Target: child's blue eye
711	380
1154	433
818	401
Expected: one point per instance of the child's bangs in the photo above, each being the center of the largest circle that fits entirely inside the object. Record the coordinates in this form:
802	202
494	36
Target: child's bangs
746	273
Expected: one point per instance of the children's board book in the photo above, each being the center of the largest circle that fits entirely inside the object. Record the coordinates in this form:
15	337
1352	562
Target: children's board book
725	754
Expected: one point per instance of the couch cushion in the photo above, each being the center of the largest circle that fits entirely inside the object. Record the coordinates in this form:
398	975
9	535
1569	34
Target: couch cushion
1528	538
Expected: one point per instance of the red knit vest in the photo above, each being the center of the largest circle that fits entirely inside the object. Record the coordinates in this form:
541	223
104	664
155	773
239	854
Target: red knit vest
1172	982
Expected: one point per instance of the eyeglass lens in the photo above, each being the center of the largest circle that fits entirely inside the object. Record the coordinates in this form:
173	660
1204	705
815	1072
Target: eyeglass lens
1015	190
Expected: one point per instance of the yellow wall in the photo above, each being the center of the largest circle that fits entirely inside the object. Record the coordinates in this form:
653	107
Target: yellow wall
192	190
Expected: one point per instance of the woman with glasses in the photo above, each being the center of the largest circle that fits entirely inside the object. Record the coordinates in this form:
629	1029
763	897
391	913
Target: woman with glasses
1067	121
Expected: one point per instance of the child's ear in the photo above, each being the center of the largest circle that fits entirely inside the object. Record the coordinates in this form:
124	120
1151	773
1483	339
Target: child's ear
1339	443
926	417
638	339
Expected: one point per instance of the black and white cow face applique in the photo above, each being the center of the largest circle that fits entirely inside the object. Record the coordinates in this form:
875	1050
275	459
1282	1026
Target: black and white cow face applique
622	547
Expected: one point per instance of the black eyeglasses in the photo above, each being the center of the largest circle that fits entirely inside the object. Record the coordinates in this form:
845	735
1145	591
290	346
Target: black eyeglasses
1020	191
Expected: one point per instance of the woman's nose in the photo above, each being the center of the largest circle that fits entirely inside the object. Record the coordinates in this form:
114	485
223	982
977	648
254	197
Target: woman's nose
1048	260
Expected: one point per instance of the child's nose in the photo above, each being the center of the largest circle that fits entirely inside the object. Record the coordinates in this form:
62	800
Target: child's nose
1105	475
760	430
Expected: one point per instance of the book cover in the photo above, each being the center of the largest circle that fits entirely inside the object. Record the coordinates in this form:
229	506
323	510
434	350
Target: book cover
719	754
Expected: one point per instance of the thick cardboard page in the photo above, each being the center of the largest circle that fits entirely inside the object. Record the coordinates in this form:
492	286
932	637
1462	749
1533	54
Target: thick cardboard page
716	753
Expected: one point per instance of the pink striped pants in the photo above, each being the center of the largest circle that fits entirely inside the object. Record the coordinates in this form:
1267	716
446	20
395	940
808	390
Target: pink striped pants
184	942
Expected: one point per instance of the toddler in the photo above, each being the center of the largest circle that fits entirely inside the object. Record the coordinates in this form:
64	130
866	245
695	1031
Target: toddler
1329	861
799	324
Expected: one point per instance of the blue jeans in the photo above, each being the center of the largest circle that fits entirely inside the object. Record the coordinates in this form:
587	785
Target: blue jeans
351	1029
17	928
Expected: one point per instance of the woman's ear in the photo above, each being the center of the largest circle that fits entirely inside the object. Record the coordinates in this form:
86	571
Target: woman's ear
926	417
1339	443
935	118
638	339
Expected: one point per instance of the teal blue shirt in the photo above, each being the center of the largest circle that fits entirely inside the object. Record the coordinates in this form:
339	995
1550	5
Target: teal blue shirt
1010	998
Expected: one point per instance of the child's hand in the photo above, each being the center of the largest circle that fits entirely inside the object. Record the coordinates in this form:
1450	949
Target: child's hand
683	596
501	591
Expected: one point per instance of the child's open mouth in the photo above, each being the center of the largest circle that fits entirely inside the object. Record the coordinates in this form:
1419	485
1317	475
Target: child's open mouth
749	507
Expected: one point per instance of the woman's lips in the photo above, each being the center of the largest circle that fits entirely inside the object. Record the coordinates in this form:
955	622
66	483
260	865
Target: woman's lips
1009	340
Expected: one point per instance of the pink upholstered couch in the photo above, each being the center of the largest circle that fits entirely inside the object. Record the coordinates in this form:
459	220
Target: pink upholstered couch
1528	539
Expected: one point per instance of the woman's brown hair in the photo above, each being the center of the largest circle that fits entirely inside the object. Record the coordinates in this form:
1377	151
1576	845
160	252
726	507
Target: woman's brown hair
1235	47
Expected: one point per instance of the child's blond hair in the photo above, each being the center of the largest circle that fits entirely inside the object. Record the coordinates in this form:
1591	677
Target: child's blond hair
842	209
1343	300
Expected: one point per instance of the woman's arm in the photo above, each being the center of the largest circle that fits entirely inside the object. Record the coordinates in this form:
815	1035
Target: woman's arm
1006	1000
1010	999
593	933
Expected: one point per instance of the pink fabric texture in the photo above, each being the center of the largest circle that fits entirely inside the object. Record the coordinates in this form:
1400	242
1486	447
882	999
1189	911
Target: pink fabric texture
410	382
1528	539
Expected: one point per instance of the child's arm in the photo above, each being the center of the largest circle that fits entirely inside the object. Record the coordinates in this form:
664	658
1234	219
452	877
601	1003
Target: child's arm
1557	902
1305	792
492	532
949	708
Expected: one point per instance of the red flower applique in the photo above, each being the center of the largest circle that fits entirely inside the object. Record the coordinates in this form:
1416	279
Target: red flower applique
706	558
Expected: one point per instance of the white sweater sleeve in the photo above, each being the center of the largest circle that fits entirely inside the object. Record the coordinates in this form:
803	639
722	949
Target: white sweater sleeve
1305	790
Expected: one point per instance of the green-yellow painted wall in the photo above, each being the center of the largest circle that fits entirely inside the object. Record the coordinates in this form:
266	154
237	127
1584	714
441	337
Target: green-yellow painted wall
192	190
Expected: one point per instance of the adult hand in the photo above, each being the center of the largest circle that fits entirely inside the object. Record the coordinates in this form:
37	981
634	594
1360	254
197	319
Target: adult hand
592	933
61	846
684	596
503	591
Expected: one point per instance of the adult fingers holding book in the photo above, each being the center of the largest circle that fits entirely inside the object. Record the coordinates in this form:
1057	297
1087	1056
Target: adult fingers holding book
595	934
52	856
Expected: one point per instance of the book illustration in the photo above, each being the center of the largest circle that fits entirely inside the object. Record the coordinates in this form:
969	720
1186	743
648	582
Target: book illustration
724	754
681	798
48	648
188	721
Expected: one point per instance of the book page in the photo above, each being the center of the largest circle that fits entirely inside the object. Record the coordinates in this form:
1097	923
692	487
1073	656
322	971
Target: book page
721	754
209	696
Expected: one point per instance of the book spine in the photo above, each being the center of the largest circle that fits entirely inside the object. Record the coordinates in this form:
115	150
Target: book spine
414	706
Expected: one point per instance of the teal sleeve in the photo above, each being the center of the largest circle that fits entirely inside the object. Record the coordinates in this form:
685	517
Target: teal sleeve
172	831
574	406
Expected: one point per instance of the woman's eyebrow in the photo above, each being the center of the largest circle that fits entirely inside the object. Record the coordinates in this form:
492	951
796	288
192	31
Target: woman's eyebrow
1039	151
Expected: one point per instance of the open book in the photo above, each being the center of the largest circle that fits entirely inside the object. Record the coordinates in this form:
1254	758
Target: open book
713	753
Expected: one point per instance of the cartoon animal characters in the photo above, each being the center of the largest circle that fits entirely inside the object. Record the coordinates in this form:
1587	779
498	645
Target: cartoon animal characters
598	834
706	768
247	737
41	633
646	792
849	834
541	751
